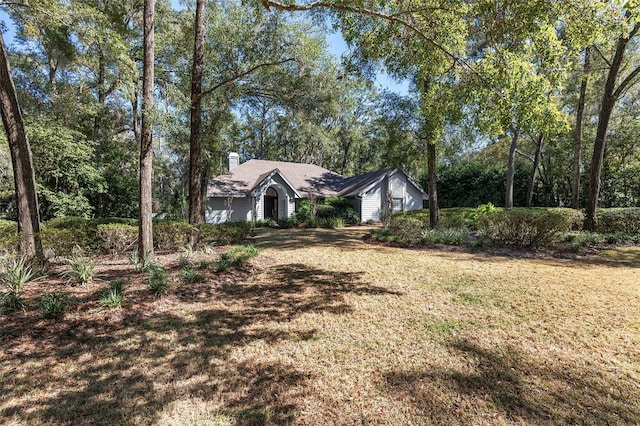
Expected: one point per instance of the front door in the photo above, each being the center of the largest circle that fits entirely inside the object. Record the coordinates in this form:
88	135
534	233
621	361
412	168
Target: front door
271	204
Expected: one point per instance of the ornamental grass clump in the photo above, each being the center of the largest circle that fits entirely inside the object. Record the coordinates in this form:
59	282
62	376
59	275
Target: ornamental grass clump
112	297
235	257
54	305
158	282
80	269
13	277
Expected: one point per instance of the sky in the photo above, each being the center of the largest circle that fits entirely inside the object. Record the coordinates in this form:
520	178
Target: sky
338	46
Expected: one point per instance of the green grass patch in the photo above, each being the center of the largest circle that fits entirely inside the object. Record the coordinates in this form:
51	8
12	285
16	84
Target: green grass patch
235	257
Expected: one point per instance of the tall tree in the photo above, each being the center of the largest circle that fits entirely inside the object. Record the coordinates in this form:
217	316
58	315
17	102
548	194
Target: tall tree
578	130
22	161
195	140
614	88
145	225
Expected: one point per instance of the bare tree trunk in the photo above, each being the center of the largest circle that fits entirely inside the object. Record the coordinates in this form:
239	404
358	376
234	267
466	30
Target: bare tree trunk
534	172
145	225
511	168
609	98
24	176
97	121
136	112
195	141
577	136
434	213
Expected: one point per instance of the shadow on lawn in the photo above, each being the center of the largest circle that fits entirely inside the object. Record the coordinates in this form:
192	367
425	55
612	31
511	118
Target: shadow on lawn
95	370
507	383
348	238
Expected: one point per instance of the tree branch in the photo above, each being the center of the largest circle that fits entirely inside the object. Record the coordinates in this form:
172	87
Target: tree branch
368	12
626	83
244	73
602	56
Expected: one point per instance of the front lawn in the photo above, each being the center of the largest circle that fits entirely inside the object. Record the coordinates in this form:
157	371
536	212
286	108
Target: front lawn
323	328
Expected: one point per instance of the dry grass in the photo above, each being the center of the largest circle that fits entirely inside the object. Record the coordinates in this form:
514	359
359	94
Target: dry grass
322	328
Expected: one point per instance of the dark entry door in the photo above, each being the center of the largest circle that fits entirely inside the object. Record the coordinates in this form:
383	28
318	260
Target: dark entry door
271	204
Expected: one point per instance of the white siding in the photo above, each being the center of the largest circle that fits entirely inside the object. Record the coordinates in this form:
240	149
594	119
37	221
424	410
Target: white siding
413	198
371	204
217	210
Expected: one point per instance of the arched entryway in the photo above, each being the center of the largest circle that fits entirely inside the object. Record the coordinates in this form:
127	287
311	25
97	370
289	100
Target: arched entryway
271	203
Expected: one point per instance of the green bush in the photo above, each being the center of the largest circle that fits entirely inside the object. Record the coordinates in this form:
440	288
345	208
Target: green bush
626	220
191	276
80	269
112	296
447	236
407	228
8	236
224	233
14	276
522	227
169	235
54	305
235	257
117	238
158	283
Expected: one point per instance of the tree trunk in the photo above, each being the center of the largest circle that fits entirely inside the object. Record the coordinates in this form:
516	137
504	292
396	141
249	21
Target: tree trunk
511	168
577	136
136	112
195	141
97	121
434	213
609	99
534	172
24	177
145	226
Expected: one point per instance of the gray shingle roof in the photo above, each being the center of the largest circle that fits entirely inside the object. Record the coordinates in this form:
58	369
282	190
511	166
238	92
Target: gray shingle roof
304	177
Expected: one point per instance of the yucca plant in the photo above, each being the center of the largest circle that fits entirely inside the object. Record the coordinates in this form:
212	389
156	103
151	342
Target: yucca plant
158	283
147	264
80	269
112	296
54	305
190	276
14	277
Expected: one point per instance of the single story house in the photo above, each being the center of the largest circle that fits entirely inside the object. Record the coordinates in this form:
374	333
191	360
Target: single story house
261	189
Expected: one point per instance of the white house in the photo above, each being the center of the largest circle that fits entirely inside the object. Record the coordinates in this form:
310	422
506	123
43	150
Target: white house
261	189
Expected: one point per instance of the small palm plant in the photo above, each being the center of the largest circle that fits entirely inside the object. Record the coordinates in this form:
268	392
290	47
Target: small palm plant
112	296
80	269
14	277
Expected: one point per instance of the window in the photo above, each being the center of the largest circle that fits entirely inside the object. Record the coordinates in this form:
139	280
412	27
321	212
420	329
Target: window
398	205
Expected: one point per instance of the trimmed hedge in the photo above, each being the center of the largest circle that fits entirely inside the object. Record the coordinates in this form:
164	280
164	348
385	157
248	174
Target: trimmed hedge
626	220
523	227
115	235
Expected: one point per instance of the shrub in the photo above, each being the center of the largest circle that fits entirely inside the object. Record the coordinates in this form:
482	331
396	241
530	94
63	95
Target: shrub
190	276
444	236
235	257
626	220
8	236
158	283
522	227
117	238
287	223
14	277
112	296
407	228
80	269
225	233
54	305
171	235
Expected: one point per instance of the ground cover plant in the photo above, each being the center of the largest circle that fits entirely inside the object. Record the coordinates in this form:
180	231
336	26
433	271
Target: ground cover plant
322	328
